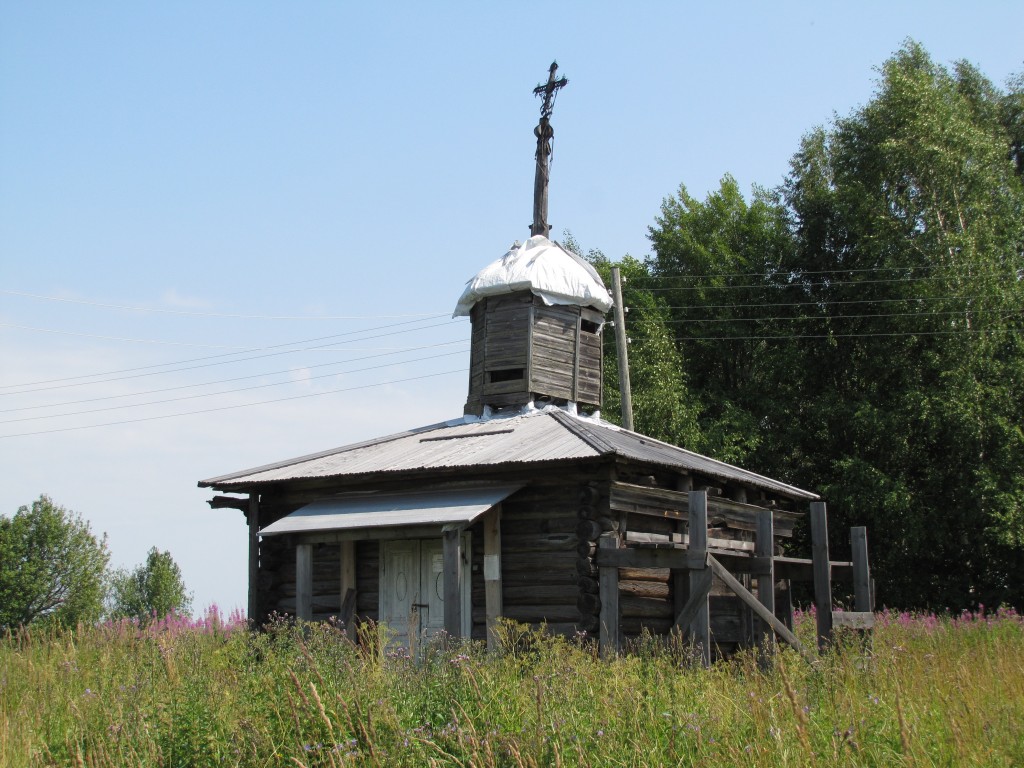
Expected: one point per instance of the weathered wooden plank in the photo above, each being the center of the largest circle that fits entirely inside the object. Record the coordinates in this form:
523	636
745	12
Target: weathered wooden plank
515	386
542	541
647	607
663	502
304	582
862	598
743	594
633	626
822	572
609	585
551	612
764	546
802	569
452	554
636	557
347	555
651	589
253	607
346	614
697	600
538	562
532	592
327	607
230	502
492	573
699	626
853	619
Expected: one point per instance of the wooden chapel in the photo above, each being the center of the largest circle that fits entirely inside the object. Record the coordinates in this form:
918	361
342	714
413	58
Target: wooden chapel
529	506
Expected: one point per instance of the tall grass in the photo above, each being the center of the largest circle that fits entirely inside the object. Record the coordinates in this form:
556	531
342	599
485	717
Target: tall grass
934	691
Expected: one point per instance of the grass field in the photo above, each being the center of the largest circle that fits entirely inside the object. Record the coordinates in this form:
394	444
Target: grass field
935	691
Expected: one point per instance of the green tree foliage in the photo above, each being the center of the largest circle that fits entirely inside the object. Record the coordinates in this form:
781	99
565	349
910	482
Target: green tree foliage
153	589
909	225
51	567
663	406
714	265
858	332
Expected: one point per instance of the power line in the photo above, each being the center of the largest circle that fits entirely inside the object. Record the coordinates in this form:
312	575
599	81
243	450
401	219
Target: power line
116	338
961	332
822	303
226	391
220	381
824	318
232	407
212	357
319	348
770	272
128	339
768	286
187	313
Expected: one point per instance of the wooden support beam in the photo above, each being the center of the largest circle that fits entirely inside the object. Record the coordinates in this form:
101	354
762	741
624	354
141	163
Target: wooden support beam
229	502
621	349
822	573
679	576
452	553
802	569
784	603
348	613
348	584
492	573
697	600
764	549
862	598
304	582
253	603
700	626
643	557
752	602
608	581
853	619
672	504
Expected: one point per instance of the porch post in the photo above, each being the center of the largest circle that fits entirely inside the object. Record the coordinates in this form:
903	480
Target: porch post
862	597
764	550
700	627
608	583
347	605
452	549
304	582
492	573
822	569
252	607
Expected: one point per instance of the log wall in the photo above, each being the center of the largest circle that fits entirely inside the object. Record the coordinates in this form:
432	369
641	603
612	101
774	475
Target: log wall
521	349
549	534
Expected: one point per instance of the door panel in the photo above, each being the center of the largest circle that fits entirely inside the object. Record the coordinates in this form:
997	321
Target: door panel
400	588
432	580
412	588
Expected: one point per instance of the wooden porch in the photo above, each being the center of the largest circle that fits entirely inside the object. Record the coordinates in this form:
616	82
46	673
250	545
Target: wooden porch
752	571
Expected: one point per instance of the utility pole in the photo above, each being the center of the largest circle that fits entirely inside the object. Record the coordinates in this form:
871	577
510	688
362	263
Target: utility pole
626	397
544	133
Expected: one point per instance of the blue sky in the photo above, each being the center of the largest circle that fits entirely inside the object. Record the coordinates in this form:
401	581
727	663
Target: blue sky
185	181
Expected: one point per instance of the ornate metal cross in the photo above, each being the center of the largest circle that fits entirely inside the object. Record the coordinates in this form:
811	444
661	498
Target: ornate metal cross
544	133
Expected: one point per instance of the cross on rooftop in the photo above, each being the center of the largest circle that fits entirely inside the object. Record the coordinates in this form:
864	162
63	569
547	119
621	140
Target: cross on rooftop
544	133
549	90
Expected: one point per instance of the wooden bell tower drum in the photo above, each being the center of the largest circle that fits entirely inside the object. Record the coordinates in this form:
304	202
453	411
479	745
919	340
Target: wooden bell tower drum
526	351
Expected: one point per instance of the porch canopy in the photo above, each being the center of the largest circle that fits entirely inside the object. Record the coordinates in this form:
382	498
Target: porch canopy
448	508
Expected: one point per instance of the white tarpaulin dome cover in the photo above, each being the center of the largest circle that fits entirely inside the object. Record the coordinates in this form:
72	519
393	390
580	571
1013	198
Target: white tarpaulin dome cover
546	269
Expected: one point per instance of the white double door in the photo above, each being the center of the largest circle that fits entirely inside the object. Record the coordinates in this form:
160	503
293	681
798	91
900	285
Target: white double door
412	588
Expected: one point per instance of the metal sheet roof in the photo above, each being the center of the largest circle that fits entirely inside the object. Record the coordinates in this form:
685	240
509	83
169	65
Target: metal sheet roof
530	438
515	440
646	449
438	507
